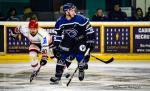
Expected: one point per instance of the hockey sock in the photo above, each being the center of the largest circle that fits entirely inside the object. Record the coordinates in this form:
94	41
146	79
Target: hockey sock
59	71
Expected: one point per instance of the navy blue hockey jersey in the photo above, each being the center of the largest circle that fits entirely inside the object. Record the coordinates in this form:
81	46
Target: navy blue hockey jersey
75	31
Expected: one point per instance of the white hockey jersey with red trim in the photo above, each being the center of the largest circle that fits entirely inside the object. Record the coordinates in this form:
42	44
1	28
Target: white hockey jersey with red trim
42	37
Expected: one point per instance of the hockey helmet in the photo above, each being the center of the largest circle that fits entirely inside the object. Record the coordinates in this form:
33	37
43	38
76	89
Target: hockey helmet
68	6
33	24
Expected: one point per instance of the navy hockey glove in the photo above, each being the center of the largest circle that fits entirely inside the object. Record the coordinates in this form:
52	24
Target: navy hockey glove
90	44
57	40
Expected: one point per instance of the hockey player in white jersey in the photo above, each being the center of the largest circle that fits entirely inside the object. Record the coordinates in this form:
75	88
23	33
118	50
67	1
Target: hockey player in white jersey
40	42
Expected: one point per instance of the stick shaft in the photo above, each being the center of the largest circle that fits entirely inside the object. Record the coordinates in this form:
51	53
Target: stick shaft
86	53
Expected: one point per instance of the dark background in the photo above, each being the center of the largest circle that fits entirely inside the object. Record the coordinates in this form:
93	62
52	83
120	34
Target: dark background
1	38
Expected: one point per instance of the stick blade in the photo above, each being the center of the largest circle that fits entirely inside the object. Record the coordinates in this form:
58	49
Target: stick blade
110	60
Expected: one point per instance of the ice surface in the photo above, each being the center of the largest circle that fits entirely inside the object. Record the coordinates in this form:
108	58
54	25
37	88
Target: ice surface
99	77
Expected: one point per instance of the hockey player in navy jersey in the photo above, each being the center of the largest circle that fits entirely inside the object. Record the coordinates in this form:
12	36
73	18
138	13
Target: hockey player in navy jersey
77	36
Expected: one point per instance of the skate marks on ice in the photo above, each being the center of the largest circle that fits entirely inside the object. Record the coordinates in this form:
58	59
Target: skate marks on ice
98	77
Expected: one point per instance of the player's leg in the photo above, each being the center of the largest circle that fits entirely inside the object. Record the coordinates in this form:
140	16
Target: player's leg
57	55
86	60
81	60
59	71
69	60
81	65
33	53
60	66
52	54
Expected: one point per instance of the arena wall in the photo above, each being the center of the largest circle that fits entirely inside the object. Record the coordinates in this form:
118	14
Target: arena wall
121	40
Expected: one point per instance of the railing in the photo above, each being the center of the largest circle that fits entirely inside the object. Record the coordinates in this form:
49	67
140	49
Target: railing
111	37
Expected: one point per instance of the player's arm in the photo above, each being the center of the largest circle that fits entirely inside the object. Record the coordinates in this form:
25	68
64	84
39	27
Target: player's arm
90	36
58	27
16	32
57	38
44	50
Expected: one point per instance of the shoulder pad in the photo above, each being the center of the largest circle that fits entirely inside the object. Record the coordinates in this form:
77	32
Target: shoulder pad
82	19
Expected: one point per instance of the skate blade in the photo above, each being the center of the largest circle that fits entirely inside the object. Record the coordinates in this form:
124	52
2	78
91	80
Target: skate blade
58	83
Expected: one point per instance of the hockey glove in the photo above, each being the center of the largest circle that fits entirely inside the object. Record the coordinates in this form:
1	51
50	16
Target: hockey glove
52	32
57	40
43	61
90	44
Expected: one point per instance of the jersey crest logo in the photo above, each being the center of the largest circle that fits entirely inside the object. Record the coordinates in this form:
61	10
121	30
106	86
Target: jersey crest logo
71	32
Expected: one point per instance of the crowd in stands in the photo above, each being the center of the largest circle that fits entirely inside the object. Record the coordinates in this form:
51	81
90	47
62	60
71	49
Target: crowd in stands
13	16
116	14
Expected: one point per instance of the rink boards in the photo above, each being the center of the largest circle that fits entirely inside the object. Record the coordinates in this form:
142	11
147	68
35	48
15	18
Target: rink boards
122	40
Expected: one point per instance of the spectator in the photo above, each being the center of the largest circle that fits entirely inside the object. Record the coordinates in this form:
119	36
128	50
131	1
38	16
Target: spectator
116	14
1	17
147	16
99	16
28	14
12	15
138	16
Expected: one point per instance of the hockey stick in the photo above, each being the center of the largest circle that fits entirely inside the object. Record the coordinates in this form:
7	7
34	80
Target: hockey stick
87	52
34	75
72	77
108	61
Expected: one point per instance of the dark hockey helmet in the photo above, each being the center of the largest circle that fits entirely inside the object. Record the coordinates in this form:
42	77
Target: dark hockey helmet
68	6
